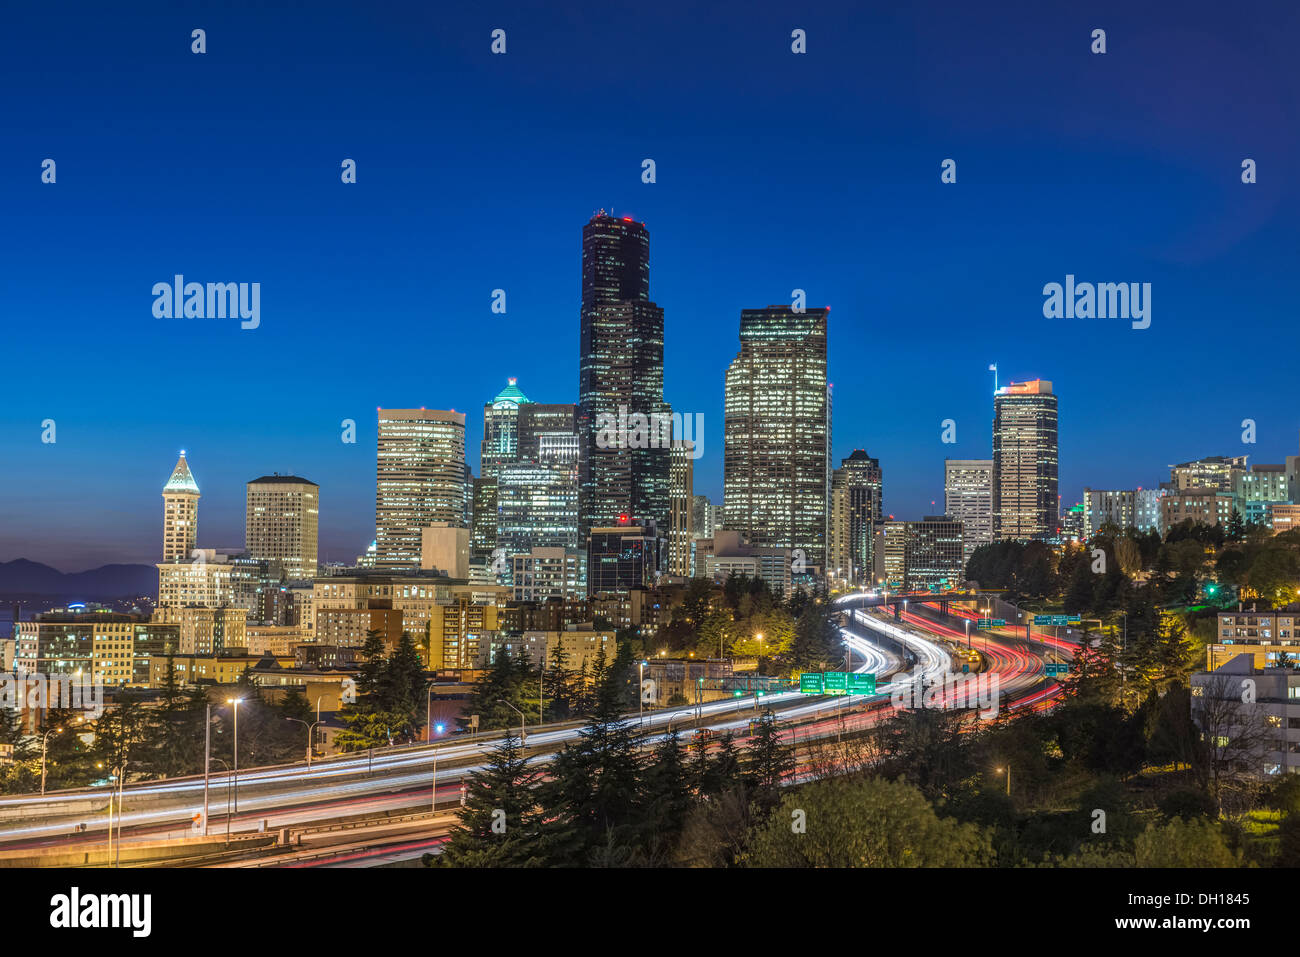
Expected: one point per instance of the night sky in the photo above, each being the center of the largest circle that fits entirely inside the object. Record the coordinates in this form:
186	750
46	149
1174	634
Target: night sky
775	171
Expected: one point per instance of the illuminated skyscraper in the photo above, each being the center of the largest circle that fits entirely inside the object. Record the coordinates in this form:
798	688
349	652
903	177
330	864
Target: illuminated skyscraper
180	513
420	480
1025	461
776	467
501	429
620	378
282	523
681	506
968	497
856	512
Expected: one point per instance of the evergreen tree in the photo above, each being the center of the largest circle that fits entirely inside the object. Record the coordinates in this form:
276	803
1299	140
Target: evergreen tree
498	825
595	789
667	796
401	687
559	683
768	762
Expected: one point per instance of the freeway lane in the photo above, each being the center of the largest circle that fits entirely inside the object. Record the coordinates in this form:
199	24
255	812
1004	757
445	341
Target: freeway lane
296	793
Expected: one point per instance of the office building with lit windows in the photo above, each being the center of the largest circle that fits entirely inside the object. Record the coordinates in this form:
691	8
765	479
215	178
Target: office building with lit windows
180	512
776	460
1025	461
620	377
968	497
282	523
856	511
420	480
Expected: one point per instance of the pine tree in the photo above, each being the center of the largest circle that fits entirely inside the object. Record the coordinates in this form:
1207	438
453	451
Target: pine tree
594	792
401	686
559	684
498	825
667	795
768	762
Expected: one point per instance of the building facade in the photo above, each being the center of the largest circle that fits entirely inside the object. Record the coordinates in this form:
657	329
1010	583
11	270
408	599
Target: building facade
776	466
420	480
622	477
1025	461
282	523
968	497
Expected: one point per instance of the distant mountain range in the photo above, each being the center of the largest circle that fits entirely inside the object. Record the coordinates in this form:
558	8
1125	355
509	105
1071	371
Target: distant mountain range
21	578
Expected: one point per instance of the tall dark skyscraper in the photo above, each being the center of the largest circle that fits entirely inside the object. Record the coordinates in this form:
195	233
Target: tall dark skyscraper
1025	461
623	466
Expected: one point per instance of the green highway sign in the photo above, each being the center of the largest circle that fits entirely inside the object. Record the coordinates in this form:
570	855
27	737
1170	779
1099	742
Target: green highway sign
987	623
1055	670
837	683
1056	621
862	683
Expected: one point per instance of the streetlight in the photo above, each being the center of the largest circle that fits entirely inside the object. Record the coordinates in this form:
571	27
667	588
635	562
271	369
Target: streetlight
968	634
433	802
234	704
523	731
118	780
759	636
640	695
227	767
45	741
310	738
1007	771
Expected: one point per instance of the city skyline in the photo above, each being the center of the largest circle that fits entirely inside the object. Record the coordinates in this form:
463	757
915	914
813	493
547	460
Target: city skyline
928	282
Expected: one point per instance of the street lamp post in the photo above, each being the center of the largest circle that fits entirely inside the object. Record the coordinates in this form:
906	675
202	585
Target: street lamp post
45	742
310	737
523	731
640	696
1007	769
234	703
207	761
227	767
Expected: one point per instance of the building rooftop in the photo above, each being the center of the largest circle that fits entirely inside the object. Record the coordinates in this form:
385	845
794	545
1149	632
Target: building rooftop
182	479
278	479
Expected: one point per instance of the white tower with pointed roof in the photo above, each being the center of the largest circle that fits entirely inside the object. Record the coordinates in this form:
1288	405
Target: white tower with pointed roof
180	513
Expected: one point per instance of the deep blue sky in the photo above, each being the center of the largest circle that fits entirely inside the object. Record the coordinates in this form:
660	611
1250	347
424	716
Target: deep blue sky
775	171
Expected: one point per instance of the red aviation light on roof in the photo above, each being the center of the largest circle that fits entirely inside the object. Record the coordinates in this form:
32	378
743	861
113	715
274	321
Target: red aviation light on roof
627	219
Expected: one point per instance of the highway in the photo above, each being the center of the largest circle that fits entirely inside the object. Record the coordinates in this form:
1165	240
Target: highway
400	778
293	794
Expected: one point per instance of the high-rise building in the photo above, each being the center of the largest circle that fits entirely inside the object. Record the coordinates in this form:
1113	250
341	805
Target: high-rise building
1218	472
1122	508
968	497
421	480
483	528
704	517
776	468
856	510
623	472
501	429
622	558
933	554
681	506
537	503
556	423
281	524
1025	461
180	513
